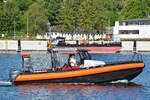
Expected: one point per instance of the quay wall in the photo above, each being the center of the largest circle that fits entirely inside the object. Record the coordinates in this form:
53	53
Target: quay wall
12	45
141	46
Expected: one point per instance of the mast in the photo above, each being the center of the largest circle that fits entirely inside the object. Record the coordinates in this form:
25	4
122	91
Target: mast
53	59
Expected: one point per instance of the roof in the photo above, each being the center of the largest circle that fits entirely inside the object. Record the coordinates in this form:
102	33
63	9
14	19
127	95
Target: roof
140	19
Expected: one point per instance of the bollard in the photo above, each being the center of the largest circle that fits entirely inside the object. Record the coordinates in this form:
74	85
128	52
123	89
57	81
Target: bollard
19	46
6	45
134	46
77	42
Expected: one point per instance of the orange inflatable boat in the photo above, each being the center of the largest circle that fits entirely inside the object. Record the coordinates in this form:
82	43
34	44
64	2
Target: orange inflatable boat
98	73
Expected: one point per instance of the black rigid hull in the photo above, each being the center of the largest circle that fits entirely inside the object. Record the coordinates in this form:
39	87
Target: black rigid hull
127	74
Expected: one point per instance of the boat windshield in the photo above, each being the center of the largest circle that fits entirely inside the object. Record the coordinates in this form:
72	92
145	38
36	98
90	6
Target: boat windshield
59	59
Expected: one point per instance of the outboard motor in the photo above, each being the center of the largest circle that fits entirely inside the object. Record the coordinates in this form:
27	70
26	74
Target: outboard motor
13	74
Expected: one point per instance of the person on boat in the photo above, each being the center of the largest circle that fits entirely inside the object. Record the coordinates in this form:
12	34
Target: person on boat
72	60
72	63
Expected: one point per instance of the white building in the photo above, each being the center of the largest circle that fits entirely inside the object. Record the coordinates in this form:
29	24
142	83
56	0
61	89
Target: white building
132	29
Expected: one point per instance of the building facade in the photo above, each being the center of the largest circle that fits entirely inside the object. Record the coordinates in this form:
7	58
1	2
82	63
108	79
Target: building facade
132	29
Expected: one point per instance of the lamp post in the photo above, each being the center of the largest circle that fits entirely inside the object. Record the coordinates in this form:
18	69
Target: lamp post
102	21
15	25
49	29
27	24
27	35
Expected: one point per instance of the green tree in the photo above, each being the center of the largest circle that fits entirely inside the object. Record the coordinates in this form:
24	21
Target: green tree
135	9
68	15
91	15
53	7
1	4
24	5
8	18
37	18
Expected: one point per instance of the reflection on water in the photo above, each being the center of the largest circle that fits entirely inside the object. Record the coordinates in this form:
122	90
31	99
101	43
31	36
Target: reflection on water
81	92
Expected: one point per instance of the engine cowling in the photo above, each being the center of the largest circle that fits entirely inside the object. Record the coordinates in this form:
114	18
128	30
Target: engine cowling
14	74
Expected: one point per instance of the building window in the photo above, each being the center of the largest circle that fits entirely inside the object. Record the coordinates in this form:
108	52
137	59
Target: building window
126	23
128	31
145	22
122	23
134	22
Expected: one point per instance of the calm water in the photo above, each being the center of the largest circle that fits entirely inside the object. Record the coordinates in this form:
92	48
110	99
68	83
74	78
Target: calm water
138	91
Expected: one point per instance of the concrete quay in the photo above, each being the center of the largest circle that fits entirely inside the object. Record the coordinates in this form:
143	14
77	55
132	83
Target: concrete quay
12	45
141	46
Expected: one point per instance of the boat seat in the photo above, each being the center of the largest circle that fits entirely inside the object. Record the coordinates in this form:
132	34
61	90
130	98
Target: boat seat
67	67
